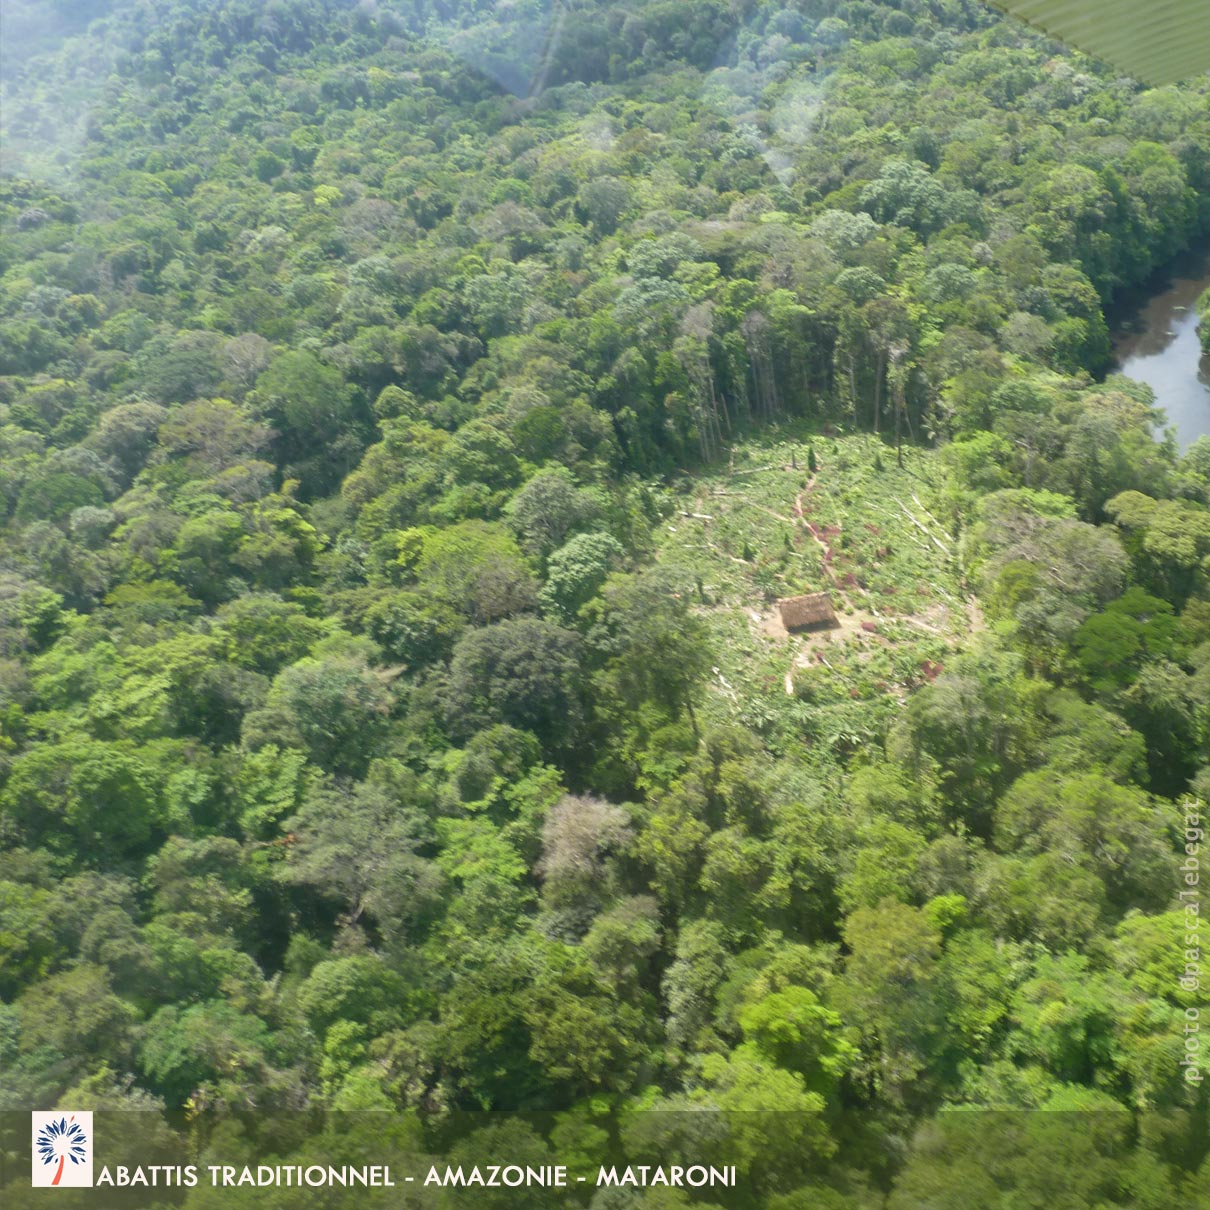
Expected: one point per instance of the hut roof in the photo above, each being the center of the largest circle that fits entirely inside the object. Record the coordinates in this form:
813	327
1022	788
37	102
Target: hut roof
812	609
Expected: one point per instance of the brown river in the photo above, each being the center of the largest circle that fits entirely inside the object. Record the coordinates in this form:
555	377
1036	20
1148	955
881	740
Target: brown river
1159	345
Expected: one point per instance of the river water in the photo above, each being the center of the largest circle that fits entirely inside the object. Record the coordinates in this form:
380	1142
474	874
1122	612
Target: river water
1158	345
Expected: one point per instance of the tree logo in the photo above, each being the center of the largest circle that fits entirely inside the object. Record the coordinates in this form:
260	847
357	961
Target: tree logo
62	1149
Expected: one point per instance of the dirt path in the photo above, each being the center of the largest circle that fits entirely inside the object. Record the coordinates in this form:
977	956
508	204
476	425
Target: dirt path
977	620
801	514
852	621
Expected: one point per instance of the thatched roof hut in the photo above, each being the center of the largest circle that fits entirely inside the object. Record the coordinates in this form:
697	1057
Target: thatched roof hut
810	612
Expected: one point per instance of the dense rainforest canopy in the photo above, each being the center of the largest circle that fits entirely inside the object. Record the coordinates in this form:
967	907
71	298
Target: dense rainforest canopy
371	736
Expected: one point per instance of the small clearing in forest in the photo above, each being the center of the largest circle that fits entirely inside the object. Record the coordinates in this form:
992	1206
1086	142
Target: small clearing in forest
868	532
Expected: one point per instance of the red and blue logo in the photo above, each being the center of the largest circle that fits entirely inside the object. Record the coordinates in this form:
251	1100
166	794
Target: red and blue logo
62	1149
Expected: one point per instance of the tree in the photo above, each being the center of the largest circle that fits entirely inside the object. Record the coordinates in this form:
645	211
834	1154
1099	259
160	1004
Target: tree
891	987
245	357
1071	1150
360	845
794	1030
180	368
211	435
524	672
31	948
1115	832
547	510
654	648
775	1129
602	202
203	553
83	797
578	834
1113	644
76	1017
582	1036
1170	539
265	633
308	405
212	1055
413	628
496	300
576	572
359	989
485	1040
1048	573
906	193
1078	213
1064	1017
889	331
181	686
56	496
691	983
473	568
335	708
203	878
982	971
126	435
973	721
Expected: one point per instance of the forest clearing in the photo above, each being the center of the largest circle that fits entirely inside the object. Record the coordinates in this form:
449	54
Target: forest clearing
860	528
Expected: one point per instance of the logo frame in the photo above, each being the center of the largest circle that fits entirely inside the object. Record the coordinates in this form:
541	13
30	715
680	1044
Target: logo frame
61	1146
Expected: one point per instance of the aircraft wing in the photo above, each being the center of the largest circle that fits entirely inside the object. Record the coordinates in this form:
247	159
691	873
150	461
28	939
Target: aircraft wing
1157	41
